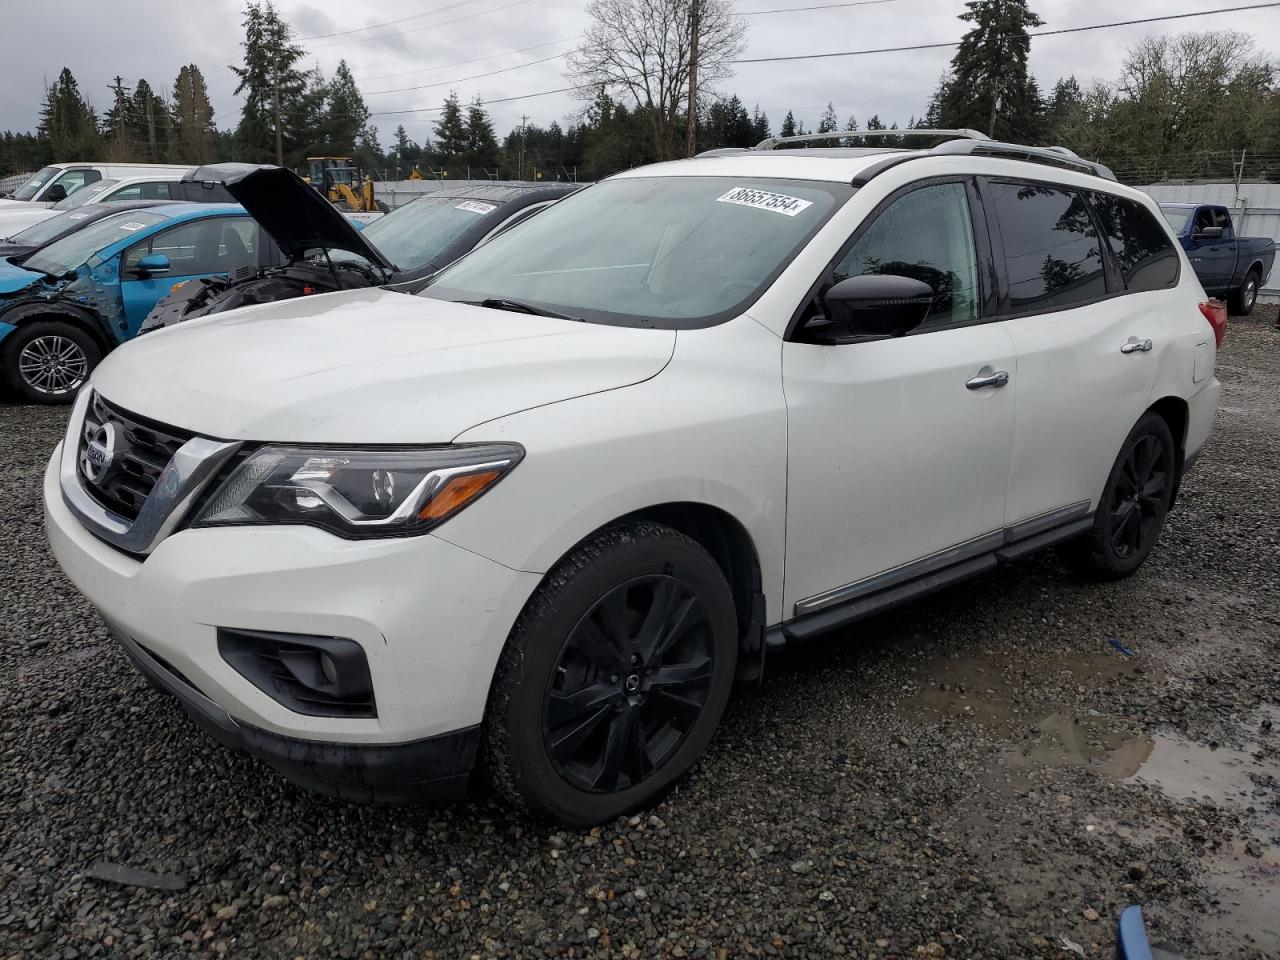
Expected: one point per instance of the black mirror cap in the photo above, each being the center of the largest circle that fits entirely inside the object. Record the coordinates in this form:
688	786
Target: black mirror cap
55	194
879	305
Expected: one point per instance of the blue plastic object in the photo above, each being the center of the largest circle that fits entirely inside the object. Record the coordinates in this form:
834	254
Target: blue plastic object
1120	646
1132	943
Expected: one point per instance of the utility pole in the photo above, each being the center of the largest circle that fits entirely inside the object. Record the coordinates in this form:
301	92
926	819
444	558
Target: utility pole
275	97
694	28
524	126
121	105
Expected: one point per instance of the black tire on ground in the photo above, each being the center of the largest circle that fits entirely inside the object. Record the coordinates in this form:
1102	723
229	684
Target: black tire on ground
1245	297
614	678
46	361
1132	509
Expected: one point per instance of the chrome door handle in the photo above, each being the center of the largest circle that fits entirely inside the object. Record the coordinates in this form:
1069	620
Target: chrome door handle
1134	345
998	379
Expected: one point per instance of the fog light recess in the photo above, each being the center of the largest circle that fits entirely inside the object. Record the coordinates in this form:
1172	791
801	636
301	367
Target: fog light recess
316	676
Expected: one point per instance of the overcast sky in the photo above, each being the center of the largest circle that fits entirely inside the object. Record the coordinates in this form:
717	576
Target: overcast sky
153	38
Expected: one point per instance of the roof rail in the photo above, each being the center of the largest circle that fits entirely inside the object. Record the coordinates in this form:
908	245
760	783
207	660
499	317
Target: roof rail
1054	156
850	134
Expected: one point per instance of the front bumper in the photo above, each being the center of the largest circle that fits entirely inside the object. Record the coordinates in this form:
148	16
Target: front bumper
430	617
435	769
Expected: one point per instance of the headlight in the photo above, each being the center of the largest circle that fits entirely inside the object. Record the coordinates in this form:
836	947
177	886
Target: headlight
358	492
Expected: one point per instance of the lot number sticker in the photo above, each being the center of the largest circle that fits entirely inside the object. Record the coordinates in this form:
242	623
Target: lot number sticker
476	206
763	200
132	225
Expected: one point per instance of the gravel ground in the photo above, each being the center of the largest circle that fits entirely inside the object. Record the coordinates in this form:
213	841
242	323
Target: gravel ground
979	775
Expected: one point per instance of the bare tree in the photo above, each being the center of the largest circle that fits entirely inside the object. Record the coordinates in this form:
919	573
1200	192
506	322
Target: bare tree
641	49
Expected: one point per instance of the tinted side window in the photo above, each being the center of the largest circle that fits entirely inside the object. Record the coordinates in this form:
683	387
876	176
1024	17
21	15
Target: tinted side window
1051	248
1147	258
926	235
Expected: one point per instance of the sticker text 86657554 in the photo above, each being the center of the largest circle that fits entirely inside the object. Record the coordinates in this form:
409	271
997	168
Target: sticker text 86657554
764	200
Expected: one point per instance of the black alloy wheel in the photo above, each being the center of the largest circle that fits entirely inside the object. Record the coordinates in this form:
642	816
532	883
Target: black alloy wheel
1131	512
1139	497
630	684
614	678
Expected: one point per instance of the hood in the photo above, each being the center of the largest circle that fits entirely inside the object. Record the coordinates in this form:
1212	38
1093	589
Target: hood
15	220
368	366
290	209
14	279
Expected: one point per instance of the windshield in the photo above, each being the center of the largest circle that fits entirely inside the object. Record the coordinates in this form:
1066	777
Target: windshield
1177	218
72	251
38	234
416	233
32	186
84	195
649	251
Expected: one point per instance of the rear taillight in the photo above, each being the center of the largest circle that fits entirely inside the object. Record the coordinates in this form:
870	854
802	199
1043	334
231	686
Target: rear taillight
1215	311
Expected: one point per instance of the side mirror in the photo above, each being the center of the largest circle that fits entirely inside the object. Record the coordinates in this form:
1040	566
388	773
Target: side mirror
55	194
153	264
879	305
1208	233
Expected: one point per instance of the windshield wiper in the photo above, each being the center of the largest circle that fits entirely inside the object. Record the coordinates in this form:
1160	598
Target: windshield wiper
519	306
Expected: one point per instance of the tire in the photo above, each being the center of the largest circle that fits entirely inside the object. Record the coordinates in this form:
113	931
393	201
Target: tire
626	723
1244	299
47	361
1128	521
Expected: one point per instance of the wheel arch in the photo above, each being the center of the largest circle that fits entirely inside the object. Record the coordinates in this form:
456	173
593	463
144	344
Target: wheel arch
733	549
28	313
1176	412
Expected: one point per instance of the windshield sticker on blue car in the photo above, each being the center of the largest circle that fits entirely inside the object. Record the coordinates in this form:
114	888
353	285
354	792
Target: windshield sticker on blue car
476	206
764	200
76	216
132	225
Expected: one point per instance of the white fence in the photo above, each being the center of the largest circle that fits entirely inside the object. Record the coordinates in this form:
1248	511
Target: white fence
1255	210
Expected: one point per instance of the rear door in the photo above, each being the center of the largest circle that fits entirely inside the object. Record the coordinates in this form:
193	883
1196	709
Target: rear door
215	246
897	452
1083	373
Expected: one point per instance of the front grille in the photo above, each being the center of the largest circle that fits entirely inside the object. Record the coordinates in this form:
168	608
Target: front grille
142	450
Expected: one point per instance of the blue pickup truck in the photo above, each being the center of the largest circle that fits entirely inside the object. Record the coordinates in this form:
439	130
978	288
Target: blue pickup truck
1233	268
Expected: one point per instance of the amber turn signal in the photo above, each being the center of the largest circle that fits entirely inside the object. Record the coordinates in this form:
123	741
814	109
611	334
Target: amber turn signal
457	493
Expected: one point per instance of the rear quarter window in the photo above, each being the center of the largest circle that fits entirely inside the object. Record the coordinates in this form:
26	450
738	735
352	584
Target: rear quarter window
1052	252
1142	247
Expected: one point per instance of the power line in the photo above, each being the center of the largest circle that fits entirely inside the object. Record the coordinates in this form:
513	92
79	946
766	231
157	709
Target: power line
429	26
1039	33
388	23
475	76
463	63
824	6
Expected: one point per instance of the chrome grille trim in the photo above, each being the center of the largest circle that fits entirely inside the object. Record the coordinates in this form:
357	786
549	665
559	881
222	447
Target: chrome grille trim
169	497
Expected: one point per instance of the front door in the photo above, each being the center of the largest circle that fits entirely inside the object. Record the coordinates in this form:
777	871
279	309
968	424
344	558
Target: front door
1214	258
215	246
896	449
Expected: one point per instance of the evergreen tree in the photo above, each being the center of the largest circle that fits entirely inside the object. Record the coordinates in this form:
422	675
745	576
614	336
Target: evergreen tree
68	123
759	125
828	123
1064	103
482	144
115	124
874	123
451	131
148	124
191	128
342	125
789	127
989	88
852	124
271	77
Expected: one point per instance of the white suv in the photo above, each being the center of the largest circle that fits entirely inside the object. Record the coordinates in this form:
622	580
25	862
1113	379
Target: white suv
538	517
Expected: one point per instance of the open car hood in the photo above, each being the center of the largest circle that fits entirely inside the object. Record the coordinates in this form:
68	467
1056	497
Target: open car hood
292	211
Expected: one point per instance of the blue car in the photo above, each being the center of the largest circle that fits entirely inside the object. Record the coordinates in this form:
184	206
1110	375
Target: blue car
63	306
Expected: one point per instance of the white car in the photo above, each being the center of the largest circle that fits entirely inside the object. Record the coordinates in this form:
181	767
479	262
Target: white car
50	184
541	515
164	185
